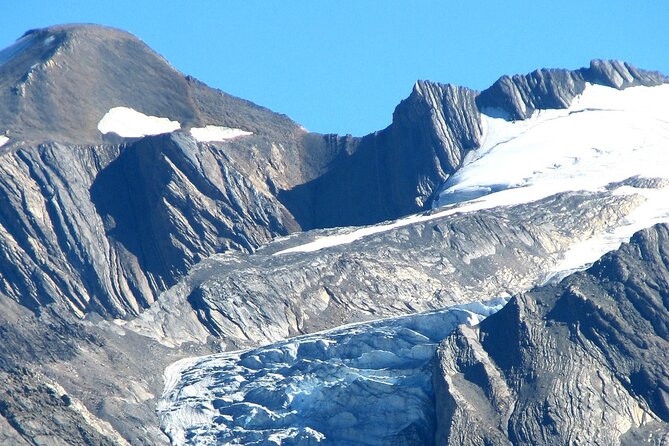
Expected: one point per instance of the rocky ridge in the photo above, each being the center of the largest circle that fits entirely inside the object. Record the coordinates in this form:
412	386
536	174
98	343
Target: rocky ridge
584	359
99	225
247	300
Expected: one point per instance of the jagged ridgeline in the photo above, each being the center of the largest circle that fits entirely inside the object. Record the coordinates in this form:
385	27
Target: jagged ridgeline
105	227
147	217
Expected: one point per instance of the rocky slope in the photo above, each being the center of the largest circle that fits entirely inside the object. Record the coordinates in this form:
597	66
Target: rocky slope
582	361
585	360
449	258
102	222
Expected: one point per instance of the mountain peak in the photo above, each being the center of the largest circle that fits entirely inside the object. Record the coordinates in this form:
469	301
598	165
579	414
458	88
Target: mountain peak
520	95
81	29
57	84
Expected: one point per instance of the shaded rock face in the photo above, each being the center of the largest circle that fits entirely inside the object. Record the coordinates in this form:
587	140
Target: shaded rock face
78	382
397	171
584	359
169	203
517	97
249	300
106	228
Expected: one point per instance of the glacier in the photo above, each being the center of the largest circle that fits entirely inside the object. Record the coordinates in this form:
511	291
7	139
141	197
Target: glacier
370	382
361	384
604	138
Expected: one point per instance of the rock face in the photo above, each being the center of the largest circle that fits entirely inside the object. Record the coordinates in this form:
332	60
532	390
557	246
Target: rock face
96	226
247	300
106	228
584	359
397	168
517	97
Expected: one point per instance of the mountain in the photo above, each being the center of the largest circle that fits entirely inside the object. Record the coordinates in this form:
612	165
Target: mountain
148	218
582	360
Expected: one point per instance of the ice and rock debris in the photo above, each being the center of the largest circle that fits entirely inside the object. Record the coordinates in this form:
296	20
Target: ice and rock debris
359	384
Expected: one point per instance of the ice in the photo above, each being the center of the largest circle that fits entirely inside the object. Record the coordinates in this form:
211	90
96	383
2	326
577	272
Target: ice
213	133
360	384
3	140
130	123
605	136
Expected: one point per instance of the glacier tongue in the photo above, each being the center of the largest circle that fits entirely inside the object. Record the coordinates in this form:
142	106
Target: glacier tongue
361	384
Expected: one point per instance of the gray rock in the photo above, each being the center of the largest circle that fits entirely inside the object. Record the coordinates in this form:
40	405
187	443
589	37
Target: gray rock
96	224
517	97
395	171
584	361
246	300
107	228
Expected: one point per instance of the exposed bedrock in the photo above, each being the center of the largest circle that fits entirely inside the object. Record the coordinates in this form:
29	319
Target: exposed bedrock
582	361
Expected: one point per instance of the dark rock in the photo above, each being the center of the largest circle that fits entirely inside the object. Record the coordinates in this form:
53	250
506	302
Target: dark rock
584	359
517	97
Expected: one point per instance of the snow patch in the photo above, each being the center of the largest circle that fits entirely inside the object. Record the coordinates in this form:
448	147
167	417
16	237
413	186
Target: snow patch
214	133
363	383
3	140
130	123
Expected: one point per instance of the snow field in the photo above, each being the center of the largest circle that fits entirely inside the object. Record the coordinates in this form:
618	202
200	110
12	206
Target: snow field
130	123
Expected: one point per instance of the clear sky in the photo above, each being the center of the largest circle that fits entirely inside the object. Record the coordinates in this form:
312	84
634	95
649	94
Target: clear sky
341	66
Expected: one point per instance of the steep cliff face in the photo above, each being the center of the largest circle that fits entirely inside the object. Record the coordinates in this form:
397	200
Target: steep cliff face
517	97
398	170
106	228
393	172
585	359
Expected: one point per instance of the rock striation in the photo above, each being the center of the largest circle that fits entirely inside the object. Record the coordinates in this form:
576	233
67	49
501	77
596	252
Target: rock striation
398	170
247	300
107	228
120	255
584	359
517	97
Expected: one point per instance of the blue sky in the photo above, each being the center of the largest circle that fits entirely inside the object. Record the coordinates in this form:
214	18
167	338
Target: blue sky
341	66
